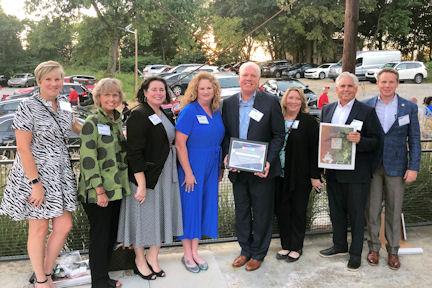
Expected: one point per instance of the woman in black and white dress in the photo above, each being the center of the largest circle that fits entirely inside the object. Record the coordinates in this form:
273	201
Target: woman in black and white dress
41	184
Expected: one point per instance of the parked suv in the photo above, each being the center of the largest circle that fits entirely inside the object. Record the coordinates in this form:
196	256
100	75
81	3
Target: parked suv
408	70
274	68
22	80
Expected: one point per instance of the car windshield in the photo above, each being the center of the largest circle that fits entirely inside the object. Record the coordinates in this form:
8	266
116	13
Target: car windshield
389	65
324	66
230	82
284	85
19	76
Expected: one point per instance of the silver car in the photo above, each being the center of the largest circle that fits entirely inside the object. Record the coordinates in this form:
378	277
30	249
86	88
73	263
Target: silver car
22	80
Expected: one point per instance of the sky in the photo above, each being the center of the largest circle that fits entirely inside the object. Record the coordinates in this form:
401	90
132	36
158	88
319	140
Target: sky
13	7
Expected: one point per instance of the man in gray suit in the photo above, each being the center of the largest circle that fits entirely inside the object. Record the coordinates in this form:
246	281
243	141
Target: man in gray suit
399	127
253	115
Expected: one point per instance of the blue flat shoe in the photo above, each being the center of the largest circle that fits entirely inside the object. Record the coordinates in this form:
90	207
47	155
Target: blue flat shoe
194	269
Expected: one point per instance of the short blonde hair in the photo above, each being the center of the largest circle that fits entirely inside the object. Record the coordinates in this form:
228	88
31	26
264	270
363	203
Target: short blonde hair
191	93
107	84
46	67
303	99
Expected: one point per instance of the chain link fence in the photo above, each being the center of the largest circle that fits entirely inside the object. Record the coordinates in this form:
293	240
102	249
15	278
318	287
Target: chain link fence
13	234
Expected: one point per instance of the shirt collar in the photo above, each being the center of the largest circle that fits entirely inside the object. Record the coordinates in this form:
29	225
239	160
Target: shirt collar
393	101
251	100
348	105
116	115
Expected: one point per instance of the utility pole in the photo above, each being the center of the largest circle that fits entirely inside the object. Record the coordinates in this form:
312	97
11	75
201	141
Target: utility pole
350	35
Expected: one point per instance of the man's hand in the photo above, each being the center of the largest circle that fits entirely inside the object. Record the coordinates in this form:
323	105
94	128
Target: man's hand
229	169
410	176
266	171
354	137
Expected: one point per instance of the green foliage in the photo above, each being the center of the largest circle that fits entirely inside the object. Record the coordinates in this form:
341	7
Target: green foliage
128	64
189	56
11	51
226	32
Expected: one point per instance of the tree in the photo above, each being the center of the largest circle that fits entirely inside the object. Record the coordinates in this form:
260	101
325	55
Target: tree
50	40
11	52
227	31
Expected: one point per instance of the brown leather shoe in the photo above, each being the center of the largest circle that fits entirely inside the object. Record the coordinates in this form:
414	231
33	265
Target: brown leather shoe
253	265
393	261
373	258
240	261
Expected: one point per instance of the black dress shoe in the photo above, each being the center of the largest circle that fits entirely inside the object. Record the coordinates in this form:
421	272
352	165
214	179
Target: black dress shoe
292	259
280	256
353	264
332	251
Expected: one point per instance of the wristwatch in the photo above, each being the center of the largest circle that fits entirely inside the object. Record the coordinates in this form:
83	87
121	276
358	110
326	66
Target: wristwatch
34	181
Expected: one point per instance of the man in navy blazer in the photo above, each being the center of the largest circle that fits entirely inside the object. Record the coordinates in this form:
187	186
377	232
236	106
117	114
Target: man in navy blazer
347	190
253	115
399	128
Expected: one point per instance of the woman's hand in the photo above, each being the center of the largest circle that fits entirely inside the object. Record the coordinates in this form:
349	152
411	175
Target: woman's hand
37	196
317	184
190	181
221	174
141	193
102	198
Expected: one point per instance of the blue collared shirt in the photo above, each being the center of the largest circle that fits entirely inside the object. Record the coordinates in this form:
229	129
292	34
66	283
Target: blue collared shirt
244	109
387	113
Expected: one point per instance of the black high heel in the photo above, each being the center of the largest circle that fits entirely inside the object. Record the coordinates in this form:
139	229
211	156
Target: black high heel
161	273
41	282
146	277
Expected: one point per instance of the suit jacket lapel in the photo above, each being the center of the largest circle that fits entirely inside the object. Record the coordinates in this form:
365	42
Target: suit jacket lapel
328	117
235	115
401	111
353	113
257	105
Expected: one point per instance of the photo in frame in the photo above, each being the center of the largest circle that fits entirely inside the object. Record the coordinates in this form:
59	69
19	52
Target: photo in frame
247	155
334	149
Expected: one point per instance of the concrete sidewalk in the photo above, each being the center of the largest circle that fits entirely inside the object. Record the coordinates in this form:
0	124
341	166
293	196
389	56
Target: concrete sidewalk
310	271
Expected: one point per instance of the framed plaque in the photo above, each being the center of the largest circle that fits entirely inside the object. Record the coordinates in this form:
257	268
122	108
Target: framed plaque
247	155
335	151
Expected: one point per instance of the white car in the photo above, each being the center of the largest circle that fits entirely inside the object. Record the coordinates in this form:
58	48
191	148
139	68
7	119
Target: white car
408	70
319	72
229	84
208	68
150	70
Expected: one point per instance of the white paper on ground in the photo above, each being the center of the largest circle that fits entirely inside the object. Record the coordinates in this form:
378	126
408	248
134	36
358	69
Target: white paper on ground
407	251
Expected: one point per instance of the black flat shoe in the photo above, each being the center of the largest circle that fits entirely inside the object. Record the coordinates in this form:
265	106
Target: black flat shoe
292	259
112	283
145	277
161	273
282	256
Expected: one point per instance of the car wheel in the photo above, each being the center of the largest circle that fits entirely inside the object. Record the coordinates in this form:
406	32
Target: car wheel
26	84
418	78
322	75
177	90
297	75
278	74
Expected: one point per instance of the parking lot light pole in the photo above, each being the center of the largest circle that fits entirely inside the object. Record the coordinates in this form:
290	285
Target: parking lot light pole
135	32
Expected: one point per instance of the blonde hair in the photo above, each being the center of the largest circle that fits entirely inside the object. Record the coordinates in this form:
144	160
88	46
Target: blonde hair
107	84
303	99
46	67
191	93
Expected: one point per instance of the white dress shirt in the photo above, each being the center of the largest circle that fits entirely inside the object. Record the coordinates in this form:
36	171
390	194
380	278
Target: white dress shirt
341	113
387	113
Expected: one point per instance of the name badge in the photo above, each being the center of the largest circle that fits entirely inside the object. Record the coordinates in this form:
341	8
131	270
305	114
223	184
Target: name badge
103	129
256	115
295	124
65	106
357	124
404	120
202	119
155	119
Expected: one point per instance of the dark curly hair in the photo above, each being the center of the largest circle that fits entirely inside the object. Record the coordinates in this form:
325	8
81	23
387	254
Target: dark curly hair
145	85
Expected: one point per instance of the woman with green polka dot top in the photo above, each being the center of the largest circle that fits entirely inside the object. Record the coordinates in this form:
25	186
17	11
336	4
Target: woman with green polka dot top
103	177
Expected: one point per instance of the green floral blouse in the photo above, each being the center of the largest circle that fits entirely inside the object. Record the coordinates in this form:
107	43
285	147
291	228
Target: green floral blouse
103	158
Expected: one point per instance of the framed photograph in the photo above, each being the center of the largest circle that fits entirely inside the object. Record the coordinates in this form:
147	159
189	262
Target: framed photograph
335	151
247	155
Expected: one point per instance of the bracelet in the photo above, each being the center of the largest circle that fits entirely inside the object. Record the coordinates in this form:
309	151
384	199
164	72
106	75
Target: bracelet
100	193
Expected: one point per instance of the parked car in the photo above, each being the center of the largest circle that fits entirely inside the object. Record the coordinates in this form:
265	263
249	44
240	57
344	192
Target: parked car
319	72
3	80
408	70
236	67
274	68
9	106
85	96
25	94
87	81
22	80
179	82
174	105
297	70
279	86
226	67
366	60
208	68
229	84
177	69
153	69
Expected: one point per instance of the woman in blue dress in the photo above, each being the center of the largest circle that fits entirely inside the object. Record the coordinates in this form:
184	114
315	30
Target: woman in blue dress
198	140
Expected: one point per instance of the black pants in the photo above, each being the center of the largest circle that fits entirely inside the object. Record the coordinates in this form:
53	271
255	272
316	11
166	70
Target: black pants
103	235
254	199
348	199
290	210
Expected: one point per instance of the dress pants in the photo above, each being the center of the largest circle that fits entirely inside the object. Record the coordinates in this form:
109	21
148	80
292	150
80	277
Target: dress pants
103	234
254	201
290	210
348	199
391	188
